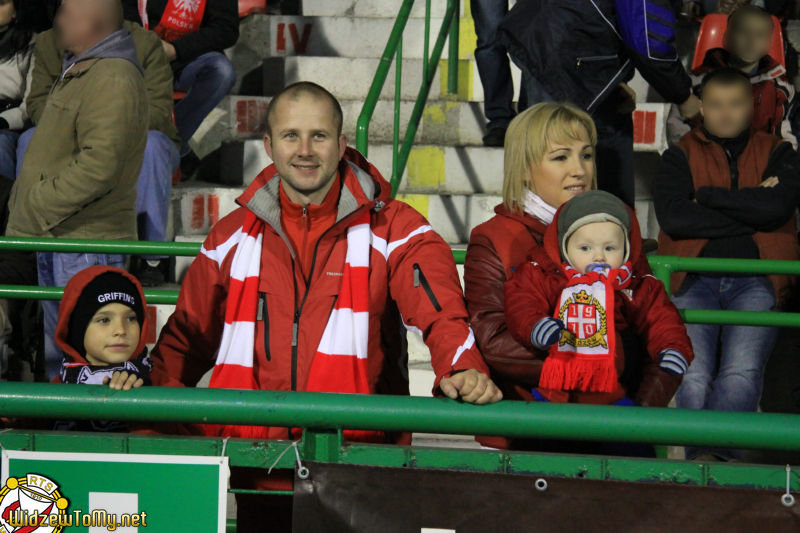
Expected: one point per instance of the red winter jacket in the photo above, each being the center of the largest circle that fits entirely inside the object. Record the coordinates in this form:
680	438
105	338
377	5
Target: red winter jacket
413	282
533	292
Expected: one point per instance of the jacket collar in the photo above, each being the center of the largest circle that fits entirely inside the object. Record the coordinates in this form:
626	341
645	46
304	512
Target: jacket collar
767	69
533	225
118	45
362	187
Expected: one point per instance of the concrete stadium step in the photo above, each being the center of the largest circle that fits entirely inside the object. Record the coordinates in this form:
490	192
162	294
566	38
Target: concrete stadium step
270	35
373	8
431	168
198	206
350	78
443	122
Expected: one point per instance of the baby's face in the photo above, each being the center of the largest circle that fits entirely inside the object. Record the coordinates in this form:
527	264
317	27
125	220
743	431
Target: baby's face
750	40
598	242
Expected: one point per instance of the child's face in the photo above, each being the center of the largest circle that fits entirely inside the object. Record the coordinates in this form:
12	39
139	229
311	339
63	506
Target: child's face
112	335
597	242
750	39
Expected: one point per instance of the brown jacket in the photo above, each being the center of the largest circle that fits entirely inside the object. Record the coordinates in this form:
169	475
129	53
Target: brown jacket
496	248
710	167
157	77
78	179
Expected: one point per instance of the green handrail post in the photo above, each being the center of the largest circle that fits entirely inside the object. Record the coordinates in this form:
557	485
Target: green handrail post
426	38
430	63
422	95
398	85
374	94
662	270
321	444
453	55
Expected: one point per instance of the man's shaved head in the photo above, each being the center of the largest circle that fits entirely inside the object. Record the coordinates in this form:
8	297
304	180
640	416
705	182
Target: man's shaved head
294	91
83	23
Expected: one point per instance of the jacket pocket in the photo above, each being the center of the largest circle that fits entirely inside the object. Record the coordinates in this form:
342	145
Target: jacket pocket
263	316
420	279
594	59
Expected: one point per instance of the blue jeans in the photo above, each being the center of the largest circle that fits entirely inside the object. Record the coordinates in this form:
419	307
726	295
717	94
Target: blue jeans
57	269
727	373
493	66
161	159
8	153
206	81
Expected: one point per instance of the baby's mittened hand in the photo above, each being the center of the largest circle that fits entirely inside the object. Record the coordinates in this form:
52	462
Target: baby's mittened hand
122	380
672	362
546	332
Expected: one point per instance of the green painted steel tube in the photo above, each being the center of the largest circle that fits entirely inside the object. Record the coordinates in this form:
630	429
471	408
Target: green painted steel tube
732	266
422	96
452	57
395	413
26	244
32	292
362	125
741	318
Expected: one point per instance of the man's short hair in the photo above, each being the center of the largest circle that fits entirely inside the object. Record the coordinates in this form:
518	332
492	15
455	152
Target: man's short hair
305	87
736	17
726	76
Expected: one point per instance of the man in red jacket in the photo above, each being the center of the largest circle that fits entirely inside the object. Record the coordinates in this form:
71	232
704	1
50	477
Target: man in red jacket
309	283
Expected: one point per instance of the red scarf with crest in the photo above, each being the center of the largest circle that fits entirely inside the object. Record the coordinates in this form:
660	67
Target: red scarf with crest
584	357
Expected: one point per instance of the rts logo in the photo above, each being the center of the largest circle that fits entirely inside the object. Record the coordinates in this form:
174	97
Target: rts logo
32	503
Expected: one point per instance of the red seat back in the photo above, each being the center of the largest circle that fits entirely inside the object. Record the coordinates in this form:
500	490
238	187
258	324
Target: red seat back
712	35
248	7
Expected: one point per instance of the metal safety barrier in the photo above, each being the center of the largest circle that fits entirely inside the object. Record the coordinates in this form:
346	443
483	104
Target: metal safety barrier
663	267
430	63
325	411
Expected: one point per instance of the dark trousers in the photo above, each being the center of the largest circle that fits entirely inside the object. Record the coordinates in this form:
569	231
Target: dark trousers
494	68
615	152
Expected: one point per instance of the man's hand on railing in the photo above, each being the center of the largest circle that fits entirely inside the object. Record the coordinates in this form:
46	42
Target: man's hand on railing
472	387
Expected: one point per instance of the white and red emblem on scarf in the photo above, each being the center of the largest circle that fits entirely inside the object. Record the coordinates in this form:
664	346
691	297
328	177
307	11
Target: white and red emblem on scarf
180	17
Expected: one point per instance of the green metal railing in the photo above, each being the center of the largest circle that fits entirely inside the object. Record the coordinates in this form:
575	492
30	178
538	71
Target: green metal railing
335	412
663	267
430	63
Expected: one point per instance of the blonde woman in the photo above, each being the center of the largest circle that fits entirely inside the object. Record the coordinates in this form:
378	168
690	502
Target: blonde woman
549	158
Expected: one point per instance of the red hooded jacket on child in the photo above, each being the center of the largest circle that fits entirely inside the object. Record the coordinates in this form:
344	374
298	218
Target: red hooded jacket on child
641	304
76	364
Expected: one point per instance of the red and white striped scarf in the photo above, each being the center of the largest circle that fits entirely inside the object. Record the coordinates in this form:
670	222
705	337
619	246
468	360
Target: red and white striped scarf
340	363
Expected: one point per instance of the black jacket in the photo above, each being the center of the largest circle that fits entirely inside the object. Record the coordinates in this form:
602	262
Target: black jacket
580	50
220	28
727	217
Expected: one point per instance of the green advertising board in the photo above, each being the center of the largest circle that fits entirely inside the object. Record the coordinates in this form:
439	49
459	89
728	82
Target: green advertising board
47	492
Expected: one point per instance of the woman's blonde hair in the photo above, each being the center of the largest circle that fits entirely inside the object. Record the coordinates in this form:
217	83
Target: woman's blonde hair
527	140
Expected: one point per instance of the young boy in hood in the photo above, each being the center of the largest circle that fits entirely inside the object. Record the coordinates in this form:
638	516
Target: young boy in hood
748	40
579	294
99	330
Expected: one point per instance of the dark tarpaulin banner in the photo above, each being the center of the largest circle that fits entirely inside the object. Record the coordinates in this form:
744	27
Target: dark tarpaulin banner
356	498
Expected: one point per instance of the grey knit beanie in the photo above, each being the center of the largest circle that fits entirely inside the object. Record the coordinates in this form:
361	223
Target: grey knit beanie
588	207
